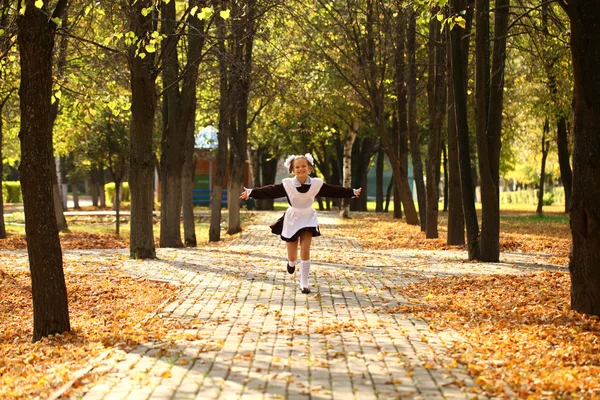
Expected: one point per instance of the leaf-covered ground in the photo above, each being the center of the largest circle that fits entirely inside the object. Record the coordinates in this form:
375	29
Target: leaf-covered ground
106	312
521	339
519	233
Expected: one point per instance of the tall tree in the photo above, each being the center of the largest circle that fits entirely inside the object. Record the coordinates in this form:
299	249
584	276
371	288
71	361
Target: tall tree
143	108
225	110
179	106
585	209
243	30
413	133
36	44
545	151
456	221
348	141
459	38
436	99
489	96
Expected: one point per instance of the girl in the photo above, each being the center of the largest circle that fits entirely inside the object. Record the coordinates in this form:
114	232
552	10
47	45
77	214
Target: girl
299	222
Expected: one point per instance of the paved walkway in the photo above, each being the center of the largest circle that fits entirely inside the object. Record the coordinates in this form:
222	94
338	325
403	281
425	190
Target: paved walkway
251	333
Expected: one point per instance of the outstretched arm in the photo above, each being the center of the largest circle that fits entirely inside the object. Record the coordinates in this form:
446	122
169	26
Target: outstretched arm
338	191
265	192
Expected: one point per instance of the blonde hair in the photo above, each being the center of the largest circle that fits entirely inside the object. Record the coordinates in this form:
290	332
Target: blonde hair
292	159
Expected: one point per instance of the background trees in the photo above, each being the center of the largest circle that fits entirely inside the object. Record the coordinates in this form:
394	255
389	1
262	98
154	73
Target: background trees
361	76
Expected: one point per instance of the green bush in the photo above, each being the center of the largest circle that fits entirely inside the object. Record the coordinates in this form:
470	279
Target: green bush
109	192
11	192
548	199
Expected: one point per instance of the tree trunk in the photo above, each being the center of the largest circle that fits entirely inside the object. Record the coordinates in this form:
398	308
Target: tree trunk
36	42
456	221
436	96
173	135
143	107
348	143
379	180
61	62
445	165
2	224
413	133
187	185
214	233
94	185
268	173
460	51
545	150
388	194
362	152
117	207
566	175
585	208
75	191
59	214
489	136
243	30
100	183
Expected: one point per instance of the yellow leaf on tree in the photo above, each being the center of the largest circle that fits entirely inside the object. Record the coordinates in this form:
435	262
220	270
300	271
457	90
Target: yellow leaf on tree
225	14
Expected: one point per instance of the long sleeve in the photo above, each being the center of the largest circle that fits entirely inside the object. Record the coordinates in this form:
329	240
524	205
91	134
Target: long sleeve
335	191
268	192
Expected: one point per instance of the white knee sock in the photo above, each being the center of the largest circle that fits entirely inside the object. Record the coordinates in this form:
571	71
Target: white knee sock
304	273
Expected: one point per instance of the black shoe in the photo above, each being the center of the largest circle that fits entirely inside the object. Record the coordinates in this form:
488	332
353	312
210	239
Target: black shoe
291	269
305	290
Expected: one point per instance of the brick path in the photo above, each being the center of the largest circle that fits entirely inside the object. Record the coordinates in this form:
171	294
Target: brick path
252	334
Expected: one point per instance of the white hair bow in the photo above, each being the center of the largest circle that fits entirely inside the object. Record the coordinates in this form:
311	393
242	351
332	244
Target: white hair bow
288	161
310	158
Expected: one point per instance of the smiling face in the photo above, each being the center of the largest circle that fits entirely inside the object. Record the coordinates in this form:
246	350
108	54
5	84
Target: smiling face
301	168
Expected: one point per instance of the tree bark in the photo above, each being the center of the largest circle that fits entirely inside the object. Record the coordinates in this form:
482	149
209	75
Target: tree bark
59	202
456	221
436	96
36	43
348	143
143	108
243	31
187	185
362	152
268	170
379	180
173	134
460	51
214	233
413	133
545	150
490	132
2	224
585	208
566	174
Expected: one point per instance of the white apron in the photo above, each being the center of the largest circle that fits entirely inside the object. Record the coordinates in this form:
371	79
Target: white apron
301	214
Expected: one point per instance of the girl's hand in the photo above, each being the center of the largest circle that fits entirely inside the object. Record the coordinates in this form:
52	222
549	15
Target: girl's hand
358	193
244	195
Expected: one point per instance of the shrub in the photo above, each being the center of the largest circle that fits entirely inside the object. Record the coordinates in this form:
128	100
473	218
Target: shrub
109	192
11	192
548	199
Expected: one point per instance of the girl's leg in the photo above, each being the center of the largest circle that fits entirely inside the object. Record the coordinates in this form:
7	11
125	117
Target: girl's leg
305	240
292	251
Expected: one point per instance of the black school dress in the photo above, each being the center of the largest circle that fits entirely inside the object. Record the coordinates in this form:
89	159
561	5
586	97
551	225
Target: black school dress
300	216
